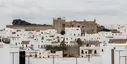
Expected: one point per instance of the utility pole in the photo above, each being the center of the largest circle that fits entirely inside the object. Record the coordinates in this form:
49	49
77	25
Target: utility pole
28	59
53	59
76	60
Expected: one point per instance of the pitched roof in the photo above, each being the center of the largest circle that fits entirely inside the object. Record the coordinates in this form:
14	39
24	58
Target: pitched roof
92	42
118	41
25	42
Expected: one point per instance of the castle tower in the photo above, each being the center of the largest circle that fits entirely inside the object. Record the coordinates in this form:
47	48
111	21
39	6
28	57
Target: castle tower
59	24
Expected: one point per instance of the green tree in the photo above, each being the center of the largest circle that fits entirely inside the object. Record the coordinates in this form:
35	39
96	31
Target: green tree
62	32
79	42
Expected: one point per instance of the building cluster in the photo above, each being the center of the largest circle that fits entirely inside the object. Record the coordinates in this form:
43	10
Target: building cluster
64	38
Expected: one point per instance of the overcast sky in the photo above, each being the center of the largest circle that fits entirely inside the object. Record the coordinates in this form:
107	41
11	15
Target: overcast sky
42	11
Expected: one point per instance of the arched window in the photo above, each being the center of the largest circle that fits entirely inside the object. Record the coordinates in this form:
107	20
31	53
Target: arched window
82	52
102	50
95	52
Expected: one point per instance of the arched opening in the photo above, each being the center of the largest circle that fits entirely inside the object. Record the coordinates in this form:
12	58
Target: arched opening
102	50
95	52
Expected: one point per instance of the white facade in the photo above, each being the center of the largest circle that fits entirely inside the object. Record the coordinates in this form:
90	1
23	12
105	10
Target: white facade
6	54
107	54
89	50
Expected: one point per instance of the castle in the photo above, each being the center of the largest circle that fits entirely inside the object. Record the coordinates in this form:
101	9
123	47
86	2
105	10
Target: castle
59	24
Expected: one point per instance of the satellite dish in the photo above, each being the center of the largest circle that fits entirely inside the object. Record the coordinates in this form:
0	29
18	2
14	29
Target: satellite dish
6	40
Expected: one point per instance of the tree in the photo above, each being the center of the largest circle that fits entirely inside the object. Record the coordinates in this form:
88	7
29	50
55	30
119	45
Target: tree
102	28
79	42
63	46
20	22
62	32
48	47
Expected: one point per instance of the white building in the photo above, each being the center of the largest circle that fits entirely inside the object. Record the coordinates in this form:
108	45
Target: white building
114	54
9	54
91	48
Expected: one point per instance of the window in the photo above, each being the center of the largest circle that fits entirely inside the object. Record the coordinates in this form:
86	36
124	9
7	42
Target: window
82	26
87	45
42	38
30	55
35	55
63	25
17	35
53	51
38	46
15	43
66	38
0	40
102	50
13	32
18	30
85	52
82	52
74	34
95	52
78	26
90	51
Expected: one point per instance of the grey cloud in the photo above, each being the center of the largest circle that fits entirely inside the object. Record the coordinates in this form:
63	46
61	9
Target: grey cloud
42	11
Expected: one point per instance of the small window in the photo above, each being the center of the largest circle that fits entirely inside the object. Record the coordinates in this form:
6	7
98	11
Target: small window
35	55
42	38
30	55
102	50
15	43
90	51
82	26
95	52
38	46
85	52
78	26
53	51
82	52
63	25
66	38
13	32
87	45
